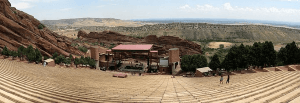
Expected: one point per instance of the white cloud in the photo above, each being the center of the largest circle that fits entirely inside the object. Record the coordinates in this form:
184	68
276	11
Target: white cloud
24	4
21	5
185	7
231	11
227	6
207	7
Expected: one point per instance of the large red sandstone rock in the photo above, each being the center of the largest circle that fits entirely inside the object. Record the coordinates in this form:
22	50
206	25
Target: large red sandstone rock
18	28
162	44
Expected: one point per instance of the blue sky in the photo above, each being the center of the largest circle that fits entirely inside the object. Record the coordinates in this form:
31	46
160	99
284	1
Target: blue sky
274	10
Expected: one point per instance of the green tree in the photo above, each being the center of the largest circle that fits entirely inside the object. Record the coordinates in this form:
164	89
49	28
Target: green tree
76	61
221	46
14	54
92	63
21	52
82	60
214	63
191	62
71	57
283	56
38	56
59	59
5	51
31	55
86	60
54	55
67	61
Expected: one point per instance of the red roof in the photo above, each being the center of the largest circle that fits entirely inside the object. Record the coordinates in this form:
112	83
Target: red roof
133	47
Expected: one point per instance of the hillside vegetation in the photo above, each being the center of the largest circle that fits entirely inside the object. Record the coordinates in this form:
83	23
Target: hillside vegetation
204	32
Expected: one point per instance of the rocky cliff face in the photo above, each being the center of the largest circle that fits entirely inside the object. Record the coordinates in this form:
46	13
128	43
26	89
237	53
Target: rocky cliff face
19	28
162	44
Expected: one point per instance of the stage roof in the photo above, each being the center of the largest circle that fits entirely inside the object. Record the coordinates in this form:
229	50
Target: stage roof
133	47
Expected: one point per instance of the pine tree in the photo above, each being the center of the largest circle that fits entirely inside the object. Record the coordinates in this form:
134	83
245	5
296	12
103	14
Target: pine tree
31	55
92	63
59	59
76	61
71	57
54	55
214	63
14	54
21	51
5	51
38	56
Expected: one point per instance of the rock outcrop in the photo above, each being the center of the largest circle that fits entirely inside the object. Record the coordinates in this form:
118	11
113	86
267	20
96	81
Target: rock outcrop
162	44
19	28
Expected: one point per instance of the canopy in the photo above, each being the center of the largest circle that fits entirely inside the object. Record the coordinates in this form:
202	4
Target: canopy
204	69
133	47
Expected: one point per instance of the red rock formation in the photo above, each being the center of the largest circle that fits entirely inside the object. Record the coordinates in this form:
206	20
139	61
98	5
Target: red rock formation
162	44
18	28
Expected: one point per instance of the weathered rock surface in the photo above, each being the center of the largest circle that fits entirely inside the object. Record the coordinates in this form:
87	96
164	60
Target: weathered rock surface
162	44
19	28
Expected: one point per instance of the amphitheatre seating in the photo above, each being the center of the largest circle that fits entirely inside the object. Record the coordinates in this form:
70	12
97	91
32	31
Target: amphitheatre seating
31	83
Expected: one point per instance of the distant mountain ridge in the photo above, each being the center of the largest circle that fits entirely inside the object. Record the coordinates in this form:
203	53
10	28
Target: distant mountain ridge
73	20
224	31
219	21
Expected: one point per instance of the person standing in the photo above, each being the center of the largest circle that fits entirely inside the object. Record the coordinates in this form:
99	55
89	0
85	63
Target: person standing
44	63
221	79
228	79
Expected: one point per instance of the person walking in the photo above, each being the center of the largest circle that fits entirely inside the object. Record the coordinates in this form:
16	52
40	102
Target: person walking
221	79
228	79
44	63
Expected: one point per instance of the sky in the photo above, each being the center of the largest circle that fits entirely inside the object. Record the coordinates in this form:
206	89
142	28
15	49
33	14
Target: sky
271	10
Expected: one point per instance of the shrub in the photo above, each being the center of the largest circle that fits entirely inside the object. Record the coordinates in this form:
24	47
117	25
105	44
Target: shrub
112	46
41	26
83	49
74	44
221	46
54	55
102	44
59	59
82	60
67	61
71	57
92	63
76	61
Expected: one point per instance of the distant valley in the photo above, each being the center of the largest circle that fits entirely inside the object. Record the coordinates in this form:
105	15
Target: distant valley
191	31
